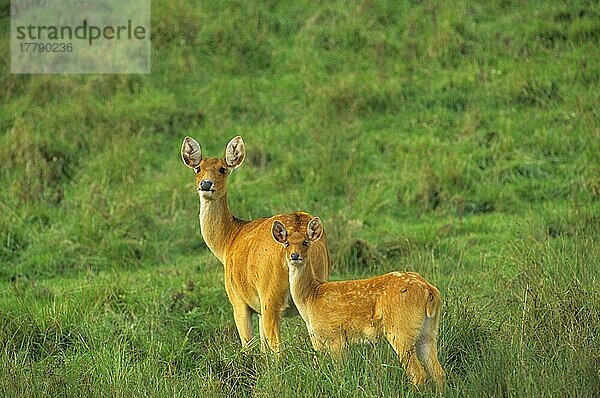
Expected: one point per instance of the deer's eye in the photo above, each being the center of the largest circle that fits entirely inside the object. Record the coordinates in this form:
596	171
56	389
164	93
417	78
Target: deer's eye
223	170
305	243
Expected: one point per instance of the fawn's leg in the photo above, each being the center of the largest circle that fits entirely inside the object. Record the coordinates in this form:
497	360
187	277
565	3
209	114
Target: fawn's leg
405	349
427	353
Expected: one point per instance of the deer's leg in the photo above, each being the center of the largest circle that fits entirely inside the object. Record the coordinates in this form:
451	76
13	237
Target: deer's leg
316	342
427	353
336	349
405	349
270	319
261	330
242	314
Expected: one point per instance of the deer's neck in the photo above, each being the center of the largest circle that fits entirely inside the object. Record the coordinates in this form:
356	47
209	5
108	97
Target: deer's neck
218	226
303	288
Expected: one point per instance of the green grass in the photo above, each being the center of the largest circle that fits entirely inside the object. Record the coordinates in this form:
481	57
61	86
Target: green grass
461	141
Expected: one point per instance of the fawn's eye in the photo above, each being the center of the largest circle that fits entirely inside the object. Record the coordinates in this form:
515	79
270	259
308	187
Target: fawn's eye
223	170
305	243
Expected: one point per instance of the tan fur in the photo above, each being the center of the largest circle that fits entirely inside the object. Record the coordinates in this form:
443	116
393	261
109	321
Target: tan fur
400	306
256	276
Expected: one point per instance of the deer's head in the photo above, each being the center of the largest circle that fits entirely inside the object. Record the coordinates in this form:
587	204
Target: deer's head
297	243
212	173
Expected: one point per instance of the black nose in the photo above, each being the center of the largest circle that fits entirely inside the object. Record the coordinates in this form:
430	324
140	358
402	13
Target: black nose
295	256
205	185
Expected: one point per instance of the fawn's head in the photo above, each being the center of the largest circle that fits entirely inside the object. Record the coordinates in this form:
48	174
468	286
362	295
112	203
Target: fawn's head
297	243
212	173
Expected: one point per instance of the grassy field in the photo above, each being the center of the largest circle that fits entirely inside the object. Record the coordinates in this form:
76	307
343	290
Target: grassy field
458	139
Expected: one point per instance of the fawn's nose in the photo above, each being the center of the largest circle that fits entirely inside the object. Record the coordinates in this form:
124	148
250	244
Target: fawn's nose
206	185
295	256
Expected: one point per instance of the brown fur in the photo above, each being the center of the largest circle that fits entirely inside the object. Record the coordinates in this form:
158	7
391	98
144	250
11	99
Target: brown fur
400	306
256	276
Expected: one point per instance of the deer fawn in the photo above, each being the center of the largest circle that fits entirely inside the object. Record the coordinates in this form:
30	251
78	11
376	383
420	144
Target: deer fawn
256	275
401	306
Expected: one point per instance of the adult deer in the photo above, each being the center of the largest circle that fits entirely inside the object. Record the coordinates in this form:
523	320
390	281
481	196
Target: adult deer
256	276
402	306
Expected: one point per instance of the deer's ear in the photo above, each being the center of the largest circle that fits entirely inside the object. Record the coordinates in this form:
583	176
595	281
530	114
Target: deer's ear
191	153
235	152
314	229
279	232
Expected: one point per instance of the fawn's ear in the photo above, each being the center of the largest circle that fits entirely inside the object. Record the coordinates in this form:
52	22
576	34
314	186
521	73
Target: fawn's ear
314	229
191	153
279	232
235	152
